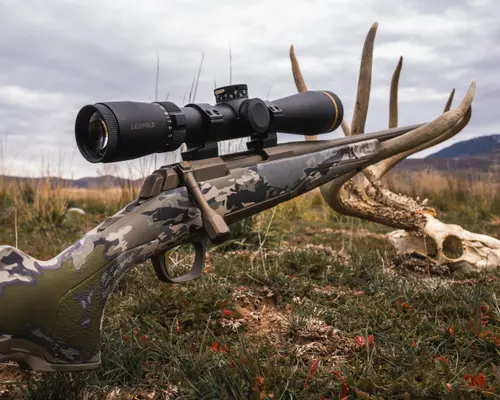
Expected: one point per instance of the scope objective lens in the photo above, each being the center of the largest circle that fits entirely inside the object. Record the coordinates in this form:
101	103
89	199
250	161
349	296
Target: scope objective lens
97	133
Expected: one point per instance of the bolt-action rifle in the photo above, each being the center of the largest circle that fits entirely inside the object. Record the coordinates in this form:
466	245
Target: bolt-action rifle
51	311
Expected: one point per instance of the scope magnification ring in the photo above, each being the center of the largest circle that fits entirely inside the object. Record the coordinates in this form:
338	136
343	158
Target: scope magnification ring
176	124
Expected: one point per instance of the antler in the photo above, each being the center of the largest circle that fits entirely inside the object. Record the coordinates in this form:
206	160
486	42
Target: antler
363	195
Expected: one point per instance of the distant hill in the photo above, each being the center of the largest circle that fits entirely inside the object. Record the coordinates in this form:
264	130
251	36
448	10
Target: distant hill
481	154
87	182
100	181
478	147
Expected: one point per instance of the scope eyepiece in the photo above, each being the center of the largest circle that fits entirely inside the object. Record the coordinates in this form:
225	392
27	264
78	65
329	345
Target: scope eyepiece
125	130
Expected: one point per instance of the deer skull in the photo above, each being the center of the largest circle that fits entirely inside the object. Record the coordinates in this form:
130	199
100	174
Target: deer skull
451	245
363	195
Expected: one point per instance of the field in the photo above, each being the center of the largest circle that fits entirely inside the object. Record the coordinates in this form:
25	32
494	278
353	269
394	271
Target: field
303	304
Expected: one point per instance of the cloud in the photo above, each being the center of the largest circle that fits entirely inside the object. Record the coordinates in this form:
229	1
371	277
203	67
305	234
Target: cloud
57	56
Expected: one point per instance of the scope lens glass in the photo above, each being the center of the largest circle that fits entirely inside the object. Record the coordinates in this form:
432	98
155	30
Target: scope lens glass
97	138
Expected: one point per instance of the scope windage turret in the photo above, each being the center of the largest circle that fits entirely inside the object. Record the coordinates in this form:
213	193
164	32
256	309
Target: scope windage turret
124	130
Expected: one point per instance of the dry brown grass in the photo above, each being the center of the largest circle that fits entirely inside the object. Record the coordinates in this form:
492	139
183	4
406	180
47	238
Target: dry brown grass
464	193
47	200
39	203
113	194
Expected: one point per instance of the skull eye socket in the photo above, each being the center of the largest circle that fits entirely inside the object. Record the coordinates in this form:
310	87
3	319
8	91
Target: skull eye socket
452	247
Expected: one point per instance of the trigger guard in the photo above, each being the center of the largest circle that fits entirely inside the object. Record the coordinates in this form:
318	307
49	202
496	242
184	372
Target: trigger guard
159	265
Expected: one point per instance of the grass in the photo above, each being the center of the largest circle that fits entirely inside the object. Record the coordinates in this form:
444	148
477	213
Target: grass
470	198
304	304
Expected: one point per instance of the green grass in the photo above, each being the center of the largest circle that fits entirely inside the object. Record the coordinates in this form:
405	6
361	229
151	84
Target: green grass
304	304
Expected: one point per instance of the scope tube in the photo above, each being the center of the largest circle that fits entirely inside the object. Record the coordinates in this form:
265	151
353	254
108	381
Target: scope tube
125	130
309	113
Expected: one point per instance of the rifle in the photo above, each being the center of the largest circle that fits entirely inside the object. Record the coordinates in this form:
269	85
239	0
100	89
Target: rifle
51	311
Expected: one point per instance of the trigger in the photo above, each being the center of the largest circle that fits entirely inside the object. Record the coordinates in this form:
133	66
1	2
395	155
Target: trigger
160	267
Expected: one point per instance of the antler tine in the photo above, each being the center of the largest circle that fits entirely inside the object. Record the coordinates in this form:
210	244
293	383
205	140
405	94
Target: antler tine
431	131
380	169
450	100
387	164
364	83
345	127
297	73
393	102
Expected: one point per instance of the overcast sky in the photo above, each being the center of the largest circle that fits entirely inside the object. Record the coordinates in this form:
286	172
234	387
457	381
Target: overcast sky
57	56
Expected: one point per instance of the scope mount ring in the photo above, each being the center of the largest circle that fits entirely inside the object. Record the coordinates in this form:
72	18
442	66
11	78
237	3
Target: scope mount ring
207	146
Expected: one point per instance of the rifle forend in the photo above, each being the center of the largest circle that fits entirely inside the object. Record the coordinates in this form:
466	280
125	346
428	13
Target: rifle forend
51	311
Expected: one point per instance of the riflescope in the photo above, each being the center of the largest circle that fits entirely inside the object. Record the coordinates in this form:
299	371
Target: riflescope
124	130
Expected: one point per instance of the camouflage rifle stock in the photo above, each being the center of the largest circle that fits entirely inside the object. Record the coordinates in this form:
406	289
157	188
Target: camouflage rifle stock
51	311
